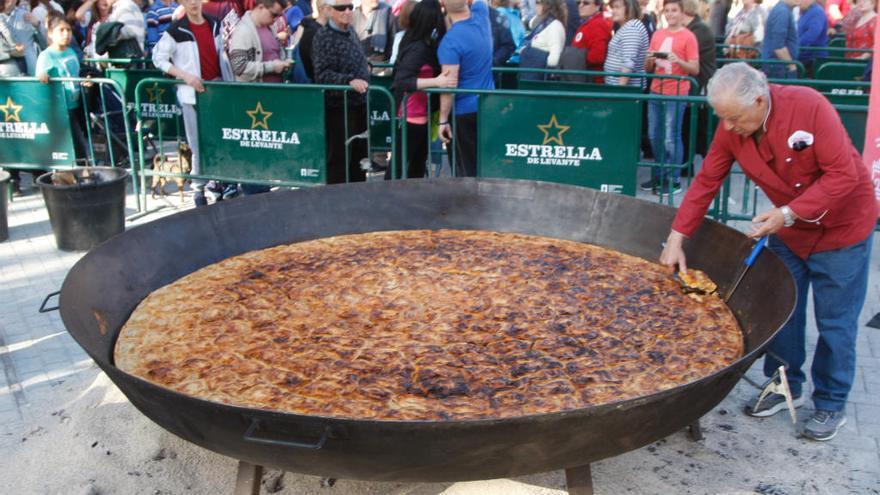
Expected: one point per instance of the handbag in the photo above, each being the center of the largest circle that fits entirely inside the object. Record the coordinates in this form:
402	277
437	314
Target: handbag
573	59
534	58
740	44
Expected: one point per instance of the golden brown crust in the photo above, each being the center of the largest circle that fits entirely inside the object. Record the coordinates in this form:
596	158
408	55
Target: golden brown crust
426	325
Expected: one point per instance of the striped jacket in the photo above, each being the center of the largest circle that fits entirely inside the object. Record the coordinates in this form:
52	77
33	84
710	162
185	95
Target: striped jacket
627	50
158	19
130	15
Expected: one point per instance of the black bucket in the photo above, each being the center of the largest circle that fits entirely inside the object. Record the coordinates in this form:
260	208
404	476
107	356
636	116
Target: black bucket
4	198
88	211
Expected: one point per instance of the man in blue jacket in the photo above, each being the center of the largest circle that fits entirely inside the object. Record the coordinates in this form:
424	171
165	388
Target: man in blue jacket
812	29
780	41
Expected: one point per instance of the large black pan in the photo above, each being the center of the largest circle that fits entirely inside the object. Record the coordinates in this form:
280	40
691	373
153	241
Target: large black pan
104	287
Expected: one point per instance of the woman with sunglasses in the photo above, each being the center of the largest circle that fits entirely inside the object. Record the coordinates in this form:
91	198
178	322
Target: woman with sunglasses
593	35
339	59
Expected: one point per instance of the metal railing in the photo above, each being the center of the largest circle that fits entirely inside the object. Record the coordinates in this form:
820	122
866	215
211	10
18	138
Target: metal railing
94	120
145	172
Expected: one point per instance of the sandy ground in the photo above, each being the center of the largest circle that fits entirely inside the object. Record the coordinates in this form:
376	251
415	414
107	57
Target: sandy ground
81	436
97	443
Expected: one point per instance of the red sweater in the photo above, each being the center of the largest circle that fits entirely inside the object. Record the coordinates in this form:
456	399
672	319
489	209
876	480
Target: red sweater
826	182
594	35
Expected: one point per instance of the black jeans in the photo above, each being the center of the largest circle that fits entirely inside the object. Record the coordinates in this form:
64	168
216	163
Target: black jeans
336	136
77	130
416	152
466	145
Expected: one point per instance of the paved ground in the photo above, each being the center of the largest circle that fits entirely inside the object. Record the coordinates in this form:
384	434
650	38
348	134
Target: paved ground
45	374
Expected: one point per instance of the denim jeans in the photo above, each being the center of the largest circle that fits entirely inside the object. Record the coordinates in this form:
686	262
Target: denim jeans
779	71
664	130
840	280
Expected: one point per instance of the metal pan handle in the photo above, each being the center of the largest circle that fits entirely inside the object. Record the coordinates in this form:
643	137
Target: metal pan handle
43	308
249	436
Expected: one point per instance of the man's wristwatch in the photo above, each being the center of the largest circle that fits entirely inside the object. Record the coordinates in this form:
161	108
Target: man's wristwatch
788	215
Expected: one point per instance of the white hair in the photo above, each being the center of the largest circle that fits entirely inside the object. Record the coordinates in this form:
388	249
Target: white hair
740	80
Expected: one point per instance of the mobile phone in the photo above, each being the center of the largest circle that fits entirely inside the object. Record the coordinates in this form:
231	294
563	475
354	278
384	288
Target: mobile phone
663	55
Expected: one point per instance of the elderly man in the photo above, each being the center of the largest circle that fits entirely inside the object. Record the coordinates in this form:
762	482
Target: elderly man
339	59
790	141
465	53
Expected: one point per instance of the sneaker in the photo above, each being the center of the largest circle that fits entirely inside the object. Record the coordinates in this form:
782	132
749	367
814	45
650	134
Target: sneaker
648	186
199	199
230	191
824	425
215	189
664	189
772	404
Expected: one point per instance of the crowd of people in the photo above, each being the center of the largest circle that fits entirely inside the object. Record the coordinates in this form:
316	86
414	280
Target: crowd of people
431	44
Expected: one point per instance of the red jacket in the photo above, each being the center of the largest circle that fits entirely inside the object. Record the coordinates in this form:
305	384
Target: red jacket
826	184
594	35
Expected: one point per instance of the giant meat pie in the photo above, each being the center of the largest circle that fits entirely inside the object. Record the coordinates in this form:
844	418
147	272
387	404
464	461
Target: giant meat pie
427	325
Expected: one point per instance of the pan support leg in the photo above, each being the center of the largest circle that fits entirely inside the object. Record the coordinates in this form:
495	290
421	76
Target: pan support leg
695	431
247	481
579	480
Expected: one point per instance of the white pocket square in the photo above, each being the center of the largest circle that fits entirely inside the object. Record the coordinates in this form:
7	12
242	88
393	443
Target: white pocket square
800	136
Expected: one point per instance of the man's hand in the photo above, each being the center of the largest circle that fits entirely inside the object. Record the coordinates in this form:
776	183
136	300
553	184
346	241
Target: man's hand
44	77
792	68
194	82
359	85
673	253
17	50
278	66
445	132
767	223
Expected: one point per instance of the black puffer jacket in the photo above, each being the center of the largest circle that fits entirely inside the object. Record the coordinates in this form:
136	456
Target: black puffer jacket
409	63
338	59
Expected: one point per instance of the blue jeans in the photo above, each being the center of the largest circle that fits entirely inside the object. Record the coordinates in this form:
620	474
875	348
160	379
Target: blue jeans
664	130
840	281
779	71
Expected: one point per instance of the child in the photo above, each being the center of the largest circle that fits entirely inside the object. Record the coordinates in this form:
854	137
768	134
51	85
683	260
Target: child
59	60
673	51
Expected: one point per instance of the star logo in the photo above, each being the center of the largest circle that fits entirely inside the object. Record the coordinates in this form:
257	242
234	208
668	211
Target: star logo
154	94
261	121
551	136
10	111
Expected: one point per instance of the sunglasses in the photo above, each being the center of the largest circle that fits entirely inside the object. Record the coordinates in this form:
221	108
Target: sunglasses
343	8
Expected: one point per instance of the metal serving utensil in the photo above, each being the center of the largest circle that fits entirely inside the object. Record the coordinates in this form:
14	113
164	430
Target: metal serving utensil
756	250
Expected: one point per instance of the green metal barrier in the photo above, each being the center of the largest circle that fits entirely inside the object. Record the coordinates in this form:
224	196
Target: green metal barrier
161	102
839	52
550	116
593	143
840	71
128	62
513	83
379	113
528	85
837	92
36	134
758	63
855	120
258	133
255	132
36	129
